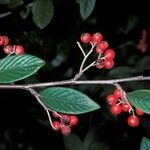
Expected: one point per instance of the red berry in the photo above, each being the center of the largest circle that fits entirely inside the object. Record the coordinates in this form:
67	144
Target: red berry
65	130
65	120
99	51
116	109
56	125
19	50
133	121
97	37
125	107
109	54
8	49
108	64
73	120
99	64
6	40
55	114
85	37
1	41
103	45
139	112
117	93
111	99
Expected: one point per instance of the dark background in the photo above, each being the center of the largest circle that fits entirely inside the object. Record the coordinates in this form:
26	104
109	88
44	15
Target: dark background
23	122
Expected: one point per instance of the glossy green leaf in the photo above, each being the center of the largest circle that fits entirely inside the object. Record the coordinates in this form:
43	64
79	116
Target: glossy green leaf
145	144
15	68
140	99
4	1
43	11
86	7
68	101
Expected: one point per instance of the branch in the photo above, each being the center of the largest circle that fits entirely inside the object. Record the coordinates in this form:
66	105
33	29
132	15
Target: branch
3	15
37	97
74	82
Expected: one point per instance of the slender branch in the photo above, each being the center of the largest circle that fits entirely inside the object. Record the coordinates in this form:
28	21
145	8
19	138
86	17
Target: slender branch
89	66
3	15
37	96
86	56
80	47
73	82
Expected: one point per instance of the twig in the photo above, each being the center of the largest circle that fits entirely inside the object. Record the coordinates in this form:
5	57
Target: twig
73	82
80	47
37	96
3	15
85	57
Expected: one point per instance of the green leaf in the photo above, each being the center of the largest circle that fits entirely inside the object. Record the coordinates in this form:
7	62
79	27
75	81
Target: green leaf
43	11
4	1
73	142
68	101
24	13
15	68
132	22
145	144
15	3
90	138
143	64
122	71
140	99
86	7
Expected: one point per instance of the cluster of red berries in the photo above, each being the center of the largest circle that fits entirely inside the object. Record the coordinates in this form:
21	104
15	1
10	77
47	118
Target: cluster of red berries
106	56
118	105
65	123
10	49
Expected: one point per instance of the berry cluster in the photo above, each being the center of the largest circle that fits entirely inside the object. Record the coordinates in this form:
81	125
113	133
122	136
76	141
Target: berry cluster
120	104
105	56
65	123
10	49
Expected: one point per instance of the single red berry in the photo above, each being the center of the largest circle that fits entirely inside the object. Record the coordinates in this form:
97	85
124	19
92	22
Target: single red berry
6	40
100	64
125	107
1	41
116	109
103	45
117	93
99	51
19	50
109	54
133	121
56	115
56	125
111	99
65	130
139	112
85	37
65	120
8	49
97	37
108	64
73	120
